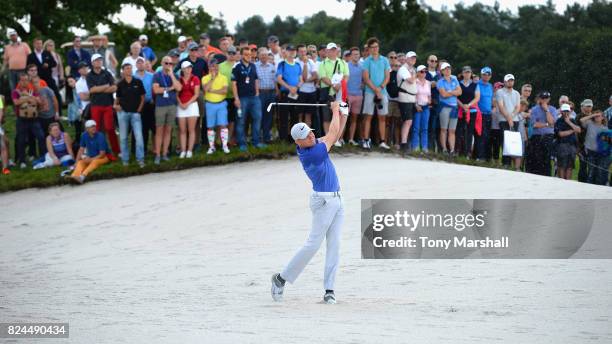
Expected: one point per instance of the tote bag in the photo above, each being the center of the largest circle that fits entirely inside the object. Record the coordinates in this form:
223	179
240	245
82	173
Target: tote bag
513	144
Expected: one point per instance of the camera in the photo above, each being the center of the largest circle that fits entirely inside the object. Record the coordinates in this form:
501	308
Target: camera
378	102
344	108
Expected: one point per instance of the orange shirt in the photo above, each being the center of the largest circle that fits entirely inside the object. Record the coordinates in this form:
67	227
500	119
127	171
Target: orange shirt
210	49
16	55
41	83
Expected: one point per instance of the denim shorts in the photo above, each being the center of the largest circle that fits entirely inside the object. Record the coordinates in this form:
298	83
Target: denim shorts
216	114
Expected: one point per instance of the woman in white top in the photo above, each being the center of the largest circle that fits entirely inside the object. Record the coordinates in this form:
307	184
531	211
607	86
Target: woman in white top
406	81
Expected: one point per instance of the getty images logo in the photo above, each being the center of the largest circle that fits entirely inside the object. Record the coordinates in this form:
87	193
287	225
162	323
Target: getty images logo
413	221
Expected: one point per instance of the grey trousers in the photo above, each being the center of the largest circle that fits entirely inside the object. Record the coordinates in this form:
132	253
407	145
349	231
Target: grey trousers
327	217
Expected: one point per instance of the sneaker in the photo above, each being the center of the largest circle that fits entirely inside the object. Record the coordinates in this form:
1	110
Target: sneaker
38	166
165	158
157	160
277	288
329	297
338	144
182	156
353	143
189	155
6	171
22	165
141	164
81	179
11	163
383	145
211	150
367	144
226	149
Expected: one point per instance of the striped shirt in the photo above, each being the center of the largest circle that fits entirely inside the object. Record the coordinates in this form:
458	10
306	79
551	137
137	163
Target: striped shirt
266	73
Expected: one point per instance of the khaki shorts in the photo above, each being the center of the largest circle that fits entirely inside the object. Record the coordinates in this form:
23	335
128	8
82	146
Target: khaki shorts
394	110
165	115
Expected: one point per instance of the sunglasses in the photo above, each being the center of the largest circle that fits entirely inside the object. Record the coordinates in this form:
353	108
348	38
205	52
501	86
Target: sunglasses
433	60
231	53
393	57
168	63
422	72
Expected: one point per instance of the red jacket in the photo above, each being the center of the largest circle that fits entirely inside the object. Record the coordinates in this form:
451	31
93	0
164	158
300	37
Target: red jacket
478	124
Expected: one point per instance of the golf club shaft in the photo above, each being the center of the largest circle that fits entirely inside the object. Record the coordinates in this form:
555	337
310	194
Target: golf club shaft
292	104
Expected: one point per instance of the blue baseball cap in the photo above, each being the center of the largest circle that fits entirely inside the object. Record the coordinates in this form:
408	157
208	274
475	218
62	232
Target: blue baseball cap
486	70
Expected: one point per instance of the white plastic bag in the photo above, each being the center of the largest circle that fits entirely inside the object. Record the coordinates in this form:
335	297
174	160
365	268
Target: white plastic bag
513	144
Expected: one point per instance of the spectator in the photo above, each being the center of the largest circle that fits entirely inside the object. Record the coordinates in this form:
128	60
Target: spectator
165	87
586	108
182	47
44	62
608	113
394	122
205	44
245	85
495	134
199	69
565	133
3	141
266	73
75	56
26	103
92	152
322	54
132	57
146	50
82	93
376	69
215	87
148	109
355	92
225	68
289	77
449	89
406	79
129	102
485	104
433	75
57	72
401	57
540	145
509	103
307	92
524	126
312	51
598	161
565	100
275	49
101	86
469	112
421	119
15	57
332	71
48	110
188	112
59	148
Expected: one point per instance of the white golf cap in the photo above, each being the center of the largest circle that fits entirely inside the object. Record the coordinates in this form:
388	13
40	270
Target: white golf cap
143	37
332	46
90	123
300	131
566	107
186	64
181	39
140	58
411	54
508	77
10	32
95	57
420	68
444	65
126	62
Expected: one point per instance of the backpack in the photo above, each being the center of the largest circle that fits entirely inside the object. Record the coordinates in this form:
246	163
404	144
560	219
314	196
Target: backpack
392	88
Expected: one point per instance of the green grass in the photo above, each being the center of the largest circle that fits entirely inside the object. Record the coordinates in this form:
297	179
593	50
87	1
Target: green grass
29	178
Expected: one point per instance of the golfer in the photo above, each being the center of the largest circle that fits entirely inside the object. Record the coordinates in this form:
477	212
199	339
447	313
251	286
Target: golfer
325	204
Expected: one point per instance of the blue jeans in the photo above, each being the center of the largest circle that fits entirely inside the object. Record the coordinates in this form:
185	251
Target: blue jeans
125	120
420	126
249	106
266	97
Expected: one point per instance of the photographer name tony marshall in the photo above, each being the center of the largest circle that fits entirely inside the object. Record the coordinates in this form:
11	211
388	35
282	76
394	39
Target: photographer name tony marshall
426	242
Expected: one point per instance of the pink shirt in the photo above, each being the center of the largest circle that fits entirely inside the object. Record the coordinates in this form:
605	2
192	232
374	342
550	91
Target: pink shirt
423	92
16	54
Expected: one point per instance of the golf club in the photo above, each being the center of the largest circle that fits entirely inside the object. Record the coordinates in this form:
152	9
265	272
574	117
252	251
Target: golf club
292	104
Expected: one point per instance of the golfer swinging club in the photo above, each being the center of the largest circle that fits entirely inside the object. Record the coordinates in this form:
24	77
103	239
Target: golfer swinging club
325	204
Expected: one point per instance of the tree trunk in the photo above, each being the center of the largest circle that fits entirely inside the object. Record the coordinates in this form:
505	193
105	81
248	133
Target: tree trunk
356	23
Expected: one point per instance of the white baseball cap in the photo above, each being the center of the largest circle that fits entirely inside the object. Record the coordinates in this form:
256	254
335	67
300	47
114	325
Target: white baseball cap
90	123
420	68
181	39
444	65
143	37
300	131
411	54
186	64
95	57
566	107
126	61
10	32
508	77
332	46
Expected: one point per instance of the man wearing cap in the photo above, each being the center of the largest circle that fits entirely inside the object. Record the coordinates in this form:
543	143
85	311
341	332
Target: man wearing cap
165	87
541	141
146	50
376	76
326	205
509	105
586	108
275	49
406	98
468	112
485	103
101	86
566	130
266	73
205	44
449	89
182	47
148	109
289	78
332	68
129	102
245	87
91	154
199	69
15	57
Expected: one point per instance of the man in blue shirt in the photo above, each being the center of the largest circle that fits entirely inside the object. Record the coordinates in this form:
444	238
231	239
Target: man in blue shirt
325	203
289	78
245	87
376	75
355	91
449	89
540	144
92	153
148	110
146	50
485	104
